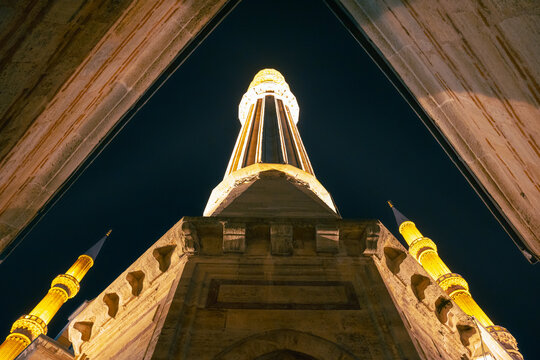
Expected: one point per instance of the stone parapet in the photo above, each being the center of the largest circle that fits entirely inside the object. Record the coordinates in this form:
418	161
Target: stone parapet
213	287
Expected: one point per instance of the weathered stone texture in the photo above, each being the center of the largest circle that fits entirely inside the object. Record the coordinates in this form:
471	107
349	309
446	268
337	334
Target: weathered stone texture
69	71
474	67
124	320
216	304
45	348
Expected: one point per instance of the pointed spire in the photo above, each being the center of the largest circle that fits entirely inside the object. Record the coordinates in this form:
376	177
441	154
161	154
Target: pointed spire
94	250
400	218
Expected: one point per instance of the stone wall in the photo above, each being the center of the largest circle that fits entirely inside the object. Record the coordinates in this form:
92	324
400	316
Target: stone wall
70	70
474	66
241	288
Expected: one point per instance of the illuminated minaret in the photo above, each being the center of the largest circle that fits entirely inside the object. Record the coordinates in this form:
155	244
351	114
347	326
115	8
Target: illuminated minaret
268	150
268	113
63	287
424	250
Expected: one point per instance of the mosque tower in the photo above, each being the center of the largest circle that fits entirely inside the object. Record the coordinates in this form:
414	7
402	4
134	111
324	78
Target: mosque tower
424	250
272	271
268	150
65	286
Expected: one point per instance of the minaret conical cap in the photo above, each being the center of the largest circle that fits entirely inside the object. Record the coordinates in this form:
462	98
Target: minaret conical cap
400	218
94	250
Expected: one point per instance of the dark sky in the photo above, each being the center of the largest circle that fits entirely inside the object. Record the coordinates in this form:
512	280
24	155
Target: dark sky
365	143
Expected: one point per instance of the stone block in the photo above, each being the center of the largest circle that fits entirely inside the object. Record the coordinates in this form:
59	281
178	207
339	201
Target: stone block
234	237
327	238
281	239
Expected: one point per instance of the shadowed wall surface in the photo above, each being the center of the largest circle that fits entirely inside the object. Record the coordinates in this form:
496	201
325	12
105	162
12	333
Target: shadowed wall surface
474	68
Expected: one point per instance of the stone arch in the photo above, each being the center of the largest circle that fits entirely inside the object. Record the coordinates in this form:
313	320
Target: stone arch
285	355
135	280
112	300
286	341
394	257
419	283
163	256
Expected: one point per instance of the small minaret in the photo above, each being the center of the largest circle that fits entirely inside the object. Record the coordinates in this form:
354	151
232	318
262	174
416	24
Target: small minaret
63	287
425	252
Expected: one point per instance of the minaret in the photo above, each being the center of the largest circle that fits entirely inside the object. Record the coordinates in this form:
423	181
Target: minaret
63	287
268	113
268	150
425	252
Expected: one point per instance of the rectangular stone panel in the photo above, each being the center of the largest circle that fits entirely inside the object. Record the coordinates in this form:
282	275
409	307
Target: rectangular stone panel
294	295
281	239
234	237
327	238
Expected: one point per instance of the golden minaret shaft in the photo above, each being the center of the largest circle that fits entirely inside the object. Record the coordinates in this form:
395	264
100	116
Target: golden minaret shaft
424	250
63	287
268	113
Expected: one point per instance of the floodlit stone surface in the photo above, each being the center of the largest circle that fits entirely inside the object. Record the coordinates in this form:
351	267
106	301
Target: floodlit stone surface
474	66
69	71
45	348
213	303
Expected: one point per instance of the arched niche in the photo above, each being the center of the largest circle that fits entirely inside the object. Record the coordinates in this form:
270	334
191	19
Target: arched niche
112	300
394	257
85	328
136	281
163	256
419	283
442	306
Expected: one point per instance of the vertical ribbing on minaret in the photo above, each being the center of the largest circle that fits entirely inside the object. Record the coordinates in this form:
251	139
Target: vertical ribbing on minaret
269	113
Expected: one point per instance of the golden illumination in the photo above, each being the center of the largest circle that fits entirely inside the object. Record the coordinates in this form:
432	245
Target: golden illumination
409	231
223	189
28	327
425	252
81	267
268	81
268	84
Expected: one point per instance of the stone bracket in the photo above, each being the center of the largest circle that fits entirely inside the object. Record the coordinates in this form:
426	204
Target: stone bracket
234	237
281	239
327	238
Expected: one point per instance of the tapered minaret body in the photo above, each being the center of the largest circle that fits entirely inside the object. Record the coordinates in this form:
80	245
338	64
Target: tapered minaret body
425	252
63	287
269	173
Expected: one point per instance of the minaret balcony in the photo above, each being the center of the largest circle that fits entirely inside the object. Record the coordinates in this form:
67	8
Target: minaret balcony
453	283
67	283
30	326
420	246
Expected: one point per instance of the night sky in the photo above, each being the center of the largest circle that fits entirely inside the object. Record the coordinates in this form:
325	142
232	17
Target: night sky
365	144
